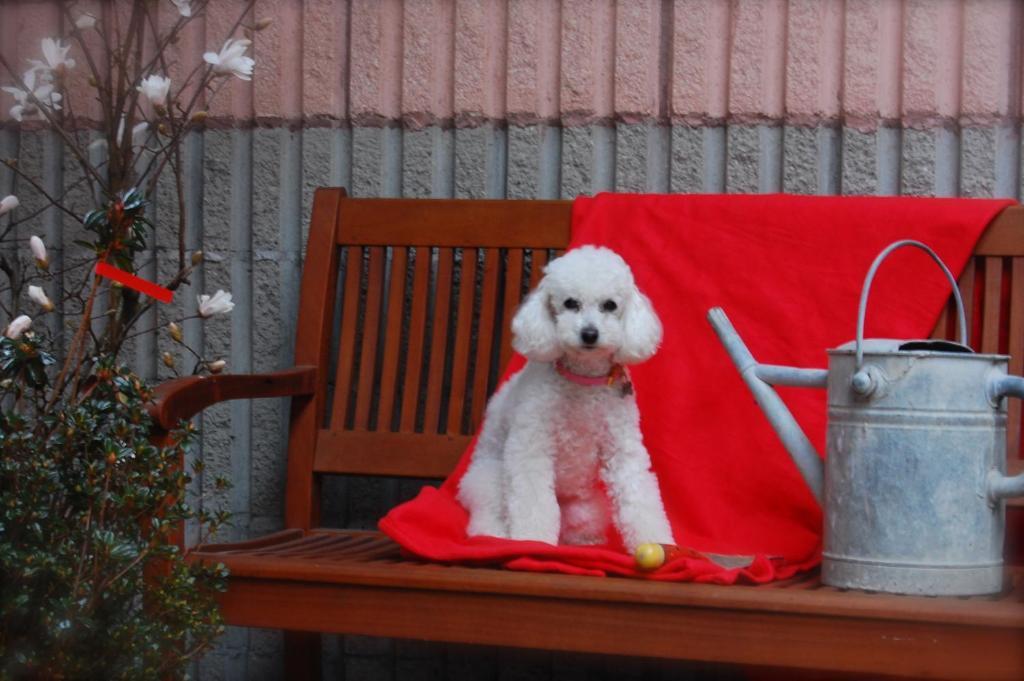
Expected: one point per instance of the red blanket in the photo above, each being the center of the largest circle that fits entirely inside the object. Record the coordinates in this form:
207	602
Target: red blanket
788	271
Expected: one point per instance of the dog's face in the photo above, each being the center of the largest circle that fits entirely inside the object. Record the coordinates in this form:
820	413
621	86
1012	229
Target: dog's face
587	304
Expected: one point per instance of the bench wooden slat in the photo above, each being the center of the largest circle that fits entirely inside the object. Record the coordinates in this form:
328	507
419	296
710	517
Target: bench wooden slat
513	284
408	455
347	340
991	306
496	223
439	340
485	337
392	337
967	289
1016	351
1001	611
714	634
540	261
371	334
419	300
463	333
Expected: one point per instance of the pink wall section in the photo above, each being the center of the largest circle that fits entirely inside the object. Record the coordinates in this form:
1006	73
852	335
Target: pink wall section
424	61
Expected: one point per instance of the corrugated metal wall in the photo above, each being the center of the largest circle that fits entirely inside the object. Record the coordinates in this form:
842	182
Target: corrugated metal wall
525	98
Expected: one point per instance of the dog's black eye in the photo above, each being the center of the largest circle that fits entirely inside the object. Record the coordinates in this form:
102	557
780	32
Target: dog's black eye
572	304
609	306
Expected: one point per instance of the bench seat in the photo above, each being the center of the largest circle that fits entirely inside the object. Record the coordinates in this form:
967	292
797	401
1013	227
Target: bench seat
358	582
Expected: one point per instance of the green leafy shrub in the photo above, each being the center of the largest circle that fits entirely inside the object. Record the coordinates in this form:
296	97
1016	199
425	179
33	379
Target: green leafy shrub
92	584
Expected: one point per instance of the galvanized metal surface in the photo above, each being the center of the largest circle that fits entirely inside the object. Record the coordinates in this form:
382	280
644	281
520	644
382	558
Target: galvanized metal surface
906	479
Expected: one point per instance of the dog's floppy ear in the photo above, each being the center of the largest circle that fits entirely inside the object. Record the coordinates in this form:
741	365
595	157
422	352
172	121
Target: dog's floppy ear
533	328
641	330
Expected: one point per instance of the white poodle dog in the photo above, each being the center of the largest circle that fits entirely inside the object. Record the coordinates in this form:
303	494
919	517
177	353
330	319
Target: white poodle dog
567	424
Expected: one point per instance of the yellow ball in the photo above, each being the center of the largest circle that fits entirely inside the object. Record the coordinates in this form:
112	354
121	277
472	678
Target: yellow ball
650	556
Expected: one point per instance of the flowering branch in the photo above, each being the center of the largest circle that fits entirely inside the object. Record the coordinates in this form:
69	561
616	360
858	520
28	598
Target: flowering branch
142	113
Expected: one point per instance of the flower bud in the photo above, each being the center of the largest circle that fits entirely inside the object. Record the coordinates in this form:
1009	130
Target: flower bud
8	203
199	116
197	258
168	360
175	332
216	367
39	297
17	327
262	24
38	249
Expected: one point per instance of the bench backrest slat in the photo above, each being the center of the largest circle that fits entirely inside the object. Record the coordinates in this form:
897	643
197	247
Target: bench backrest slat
453	223
1015	348
439	340
419	302
427	291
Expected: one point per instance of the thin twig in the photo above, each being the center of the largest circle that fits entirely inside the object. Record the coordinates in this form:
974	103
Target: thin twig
28	178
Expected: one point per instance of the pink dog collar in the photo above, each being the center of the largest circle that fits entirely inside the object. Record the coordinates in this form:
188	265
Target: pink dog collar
617	374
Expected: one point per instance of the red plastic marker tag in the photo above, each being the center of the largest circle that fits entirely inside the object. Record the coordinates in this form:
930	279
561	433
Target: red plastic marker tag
152	290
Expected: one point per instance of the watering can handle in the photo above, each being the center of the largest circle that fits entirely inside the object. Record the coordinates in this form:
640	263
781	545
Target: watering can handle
1003	486
862	308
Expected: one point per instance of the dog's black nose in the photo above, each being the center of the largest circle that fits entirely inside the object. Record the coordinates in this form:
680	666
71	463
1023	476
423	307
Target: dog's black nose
588	335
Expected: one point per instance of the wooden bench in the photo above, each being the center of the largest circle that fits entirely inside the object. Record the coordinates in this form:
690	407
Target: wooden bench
428	289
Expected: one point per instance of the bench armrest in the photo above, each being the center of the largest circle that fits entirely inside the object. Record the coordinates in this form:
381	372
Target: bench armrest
183	398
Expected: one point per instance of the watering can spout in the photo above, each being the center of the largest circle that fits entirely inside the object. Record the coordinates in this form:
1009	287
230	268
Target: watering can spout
759	379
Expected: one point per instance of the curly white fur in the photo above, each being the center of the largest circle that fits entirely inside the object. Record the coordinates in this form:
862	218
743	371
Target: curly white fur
546	440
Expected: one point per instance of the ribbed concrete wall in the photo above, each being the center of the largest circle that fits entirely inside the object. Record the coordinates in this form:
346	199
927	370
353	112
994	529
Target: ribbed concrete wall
526	98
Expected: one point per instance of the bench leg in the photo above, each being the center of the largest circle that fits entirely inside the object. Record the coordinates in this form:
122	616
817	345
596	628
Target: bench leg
302	656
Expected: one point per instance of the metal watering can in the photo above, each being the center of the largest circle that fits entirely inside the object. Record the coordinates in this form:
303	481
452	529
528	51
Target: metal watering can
914	481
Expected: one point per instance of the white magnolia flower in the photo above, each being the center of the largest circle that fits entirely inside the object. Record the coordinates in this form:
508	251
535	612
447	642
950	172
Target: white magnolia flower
218	303
38	249
184	7
55	55
155	89
19	326
232	59
216	367
39	297
8	203
85	21
39	92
